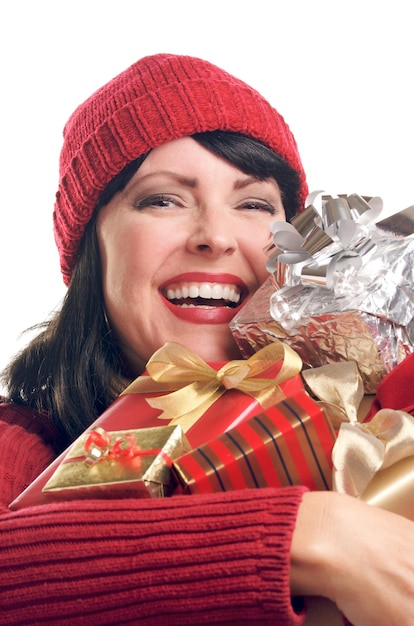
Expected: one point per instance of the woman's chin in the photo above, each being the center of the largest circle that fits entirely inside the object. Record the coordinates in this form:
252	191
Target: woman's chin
212	347
212	352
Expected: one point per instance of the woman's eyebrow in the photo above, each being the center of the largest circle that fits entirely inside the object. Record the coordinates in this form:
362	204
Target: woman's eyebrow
180	178
192	182
245	182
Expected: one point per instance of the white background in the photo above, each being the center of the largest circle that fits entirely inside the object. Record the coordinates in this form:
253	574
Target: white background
341	73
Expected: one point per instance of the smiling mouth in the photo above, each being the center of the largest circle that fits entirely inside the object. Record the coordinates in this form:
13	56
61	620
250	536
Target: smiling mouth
203	295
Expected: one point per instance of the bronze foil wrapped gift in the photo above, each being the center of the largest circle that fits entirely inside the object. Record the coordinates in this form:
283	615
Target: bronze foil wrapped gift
341	288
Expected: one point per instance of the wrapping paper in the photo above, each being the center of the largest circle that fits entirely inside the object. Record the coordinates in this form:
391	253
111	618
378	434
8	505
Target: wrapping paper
402	223
341	288
206	399
393	488
290	444
373	459
134	463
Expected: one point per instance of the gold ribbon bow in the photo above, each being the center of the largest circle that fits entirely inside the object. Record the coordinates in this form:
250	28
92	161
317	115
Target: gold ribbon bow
195	385
361	449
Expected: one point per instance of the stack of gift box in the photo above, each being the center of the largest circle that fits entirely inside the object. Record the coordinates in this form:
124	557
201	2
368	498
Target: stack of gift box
340	289
255	426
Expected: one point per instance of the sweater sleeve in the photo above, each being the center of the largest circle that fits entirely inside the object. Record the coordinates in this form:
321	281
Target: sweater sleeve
214	559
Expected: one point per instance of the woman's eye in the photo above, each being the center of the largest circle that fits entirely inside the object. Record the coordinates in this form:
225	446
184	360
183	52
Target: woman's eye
159	201
255	205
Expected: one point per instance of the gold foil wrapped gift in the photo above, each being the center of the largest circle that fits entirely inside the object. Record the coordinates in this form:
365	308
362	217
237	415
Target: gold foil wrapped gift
116	464
340	289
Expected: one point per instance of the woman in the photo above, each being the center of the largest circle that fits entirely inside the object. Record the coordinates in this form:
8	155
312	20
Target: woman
170	176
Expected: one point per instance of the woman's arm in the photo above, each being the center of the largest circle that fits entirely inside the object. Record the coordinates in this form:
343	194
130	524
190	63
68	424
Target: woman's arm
220	559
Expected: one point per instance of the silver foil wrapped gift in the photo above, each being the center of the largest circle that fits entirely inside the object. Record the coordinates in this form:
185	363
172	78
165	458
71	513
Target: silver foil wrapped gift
340	287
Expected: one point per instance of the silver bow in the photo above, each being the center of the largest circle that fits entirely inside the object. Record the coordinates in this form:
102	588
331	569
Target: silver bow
317	245
336	259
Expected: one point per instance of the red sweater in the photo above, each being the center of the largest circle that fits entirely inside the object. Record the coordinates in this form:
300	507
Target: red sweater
219	559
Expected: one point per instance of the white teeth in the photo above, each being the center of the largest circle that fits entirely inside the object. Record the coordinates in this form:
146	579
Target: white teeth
217	292
207	291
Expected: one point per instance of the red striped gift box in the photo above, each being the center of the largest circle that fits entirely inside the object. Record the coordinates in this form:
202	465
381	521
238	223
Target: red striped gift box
289	444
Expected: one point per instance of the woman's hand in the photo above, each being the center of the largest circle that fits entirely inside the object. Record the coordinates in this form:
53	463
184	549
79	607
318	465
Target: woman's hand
358	556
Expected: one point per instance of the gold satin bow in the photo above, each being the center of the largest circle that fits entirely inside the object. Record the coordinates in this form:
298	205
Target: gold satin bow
361	449
195	385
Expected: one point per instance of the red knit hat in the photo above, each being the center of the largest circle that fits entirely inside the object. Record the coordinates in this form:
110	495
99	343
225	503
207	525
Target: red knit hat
157	99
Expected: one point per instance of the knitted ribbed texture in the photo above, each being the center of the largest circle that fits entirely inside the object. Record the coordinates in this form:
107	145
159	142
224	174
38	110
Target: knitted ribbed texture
157	99
20	464
186	560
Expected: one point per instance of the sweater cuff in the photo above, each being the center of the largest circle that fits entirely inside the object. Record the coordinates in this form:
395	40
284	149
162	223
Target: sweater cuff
275	570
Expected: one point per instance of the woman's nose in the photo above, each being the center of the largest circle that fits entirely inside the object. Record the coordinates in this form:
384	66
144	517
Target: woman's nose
212	234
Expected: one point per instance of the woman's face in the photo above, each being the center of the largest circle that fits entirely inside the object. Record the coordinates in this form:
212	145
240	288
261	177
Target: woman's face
182	249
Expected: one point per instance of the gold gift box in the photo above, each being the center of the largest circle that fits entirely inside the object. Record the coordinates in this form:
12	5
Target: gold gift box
143	474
